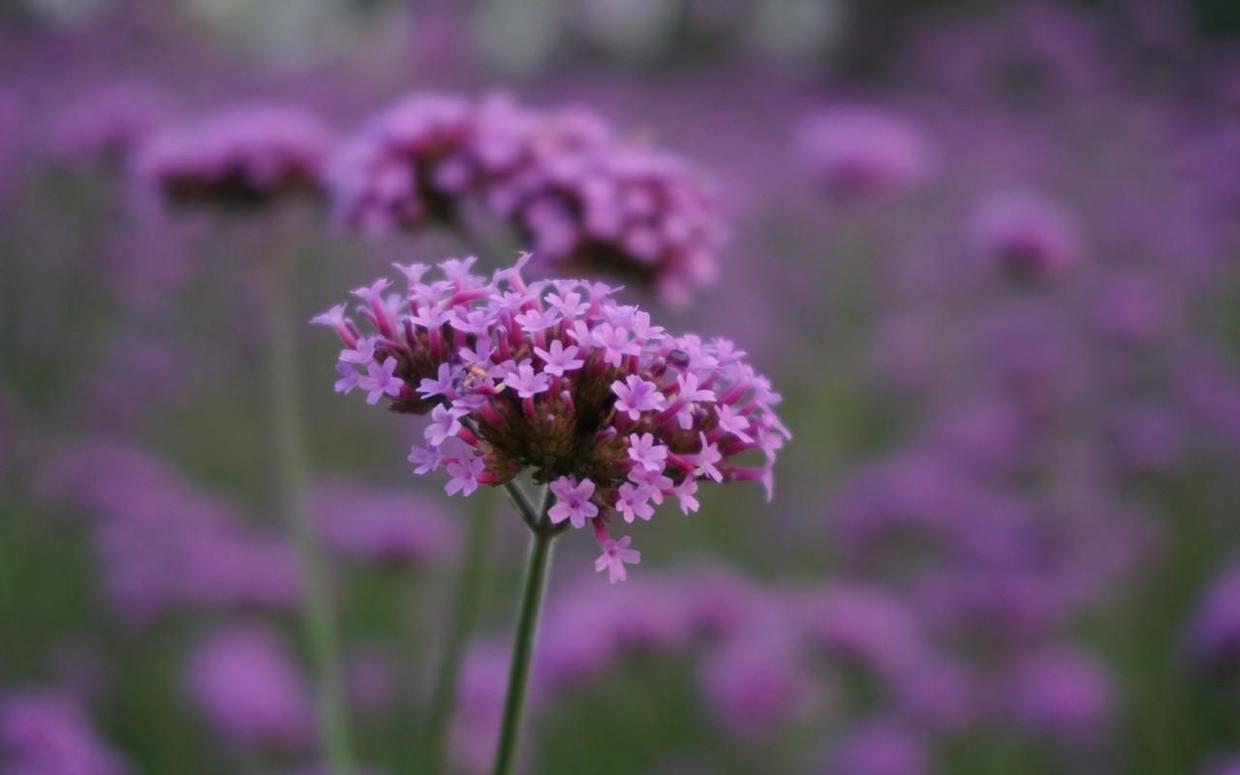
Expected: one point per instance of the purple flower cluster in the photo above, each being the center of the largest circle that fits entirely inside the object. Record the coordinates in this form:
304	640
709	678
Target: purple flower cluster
770	657
1214	630
164	545
581	198
45	732
242	156
381	527
615	414
107	123
246	687
860	153
1026	235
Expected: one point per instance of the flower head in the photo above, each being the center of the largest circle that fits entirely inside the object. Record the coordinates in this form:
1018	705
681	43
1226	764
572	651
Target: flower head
576	192
106	123
1026	235
616	423
246	687
46	731
861	153
243	156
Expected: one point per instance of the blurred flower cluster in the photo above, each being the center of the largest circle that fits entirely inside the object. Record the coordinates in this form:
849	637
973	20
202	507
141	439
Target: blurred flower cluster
987	255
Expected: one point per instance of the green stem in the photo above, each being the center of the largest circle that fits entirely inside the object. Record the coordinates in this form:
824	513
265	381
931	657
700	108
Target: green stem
523	644
462	616
290	459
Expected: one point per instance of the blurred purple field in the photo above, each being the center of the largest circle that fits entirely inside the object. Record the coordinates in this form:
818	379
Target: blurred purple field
890	429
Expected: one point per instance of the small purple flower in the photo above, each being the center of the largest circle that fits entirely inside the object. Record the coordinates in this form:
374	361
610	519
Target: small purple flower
633	501
424	458
527	382
380	380
706	460
348	378
648	454
361	354
636	395
616	554
466	474
572	501
615	343
685	493
534	320
441	385
445	424
558	359
735	423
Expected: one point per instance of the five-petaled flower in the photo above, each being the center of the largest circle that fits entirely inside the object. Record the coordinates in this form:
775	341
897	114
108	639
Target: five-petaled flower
616	554
572	501
635	395
380	380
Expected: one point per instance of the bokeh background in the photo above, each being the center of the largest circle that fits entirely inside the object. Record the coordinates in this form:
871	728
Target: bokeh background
985	250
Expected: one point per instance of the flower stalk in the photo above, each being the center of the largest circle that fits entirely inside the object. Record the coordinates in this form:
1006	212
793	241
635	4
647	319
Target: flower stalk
291	474
536	568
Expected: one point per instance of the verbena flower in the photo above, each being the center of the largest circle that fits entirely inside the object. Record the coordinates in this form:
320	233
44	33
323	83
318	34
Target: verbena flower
107	123
386	528
1027	235
580	197
858	153
643	417
47	731
1062	693
248	690
164	545
881	747
242	156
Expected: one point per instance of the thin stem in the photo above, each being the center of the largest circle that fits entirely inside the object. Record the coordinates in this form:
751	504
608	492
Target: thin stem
463	614
523	644
529	513
290	458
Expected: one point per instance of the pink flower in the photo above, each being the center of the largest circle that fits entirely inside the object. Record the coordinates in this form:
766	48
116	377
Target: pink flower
616	554
646	453
558	359
380	380
634	501
348	378
526	381
636	395
706	460
466	475
534	320
440	385
685	496
445	424
572	502
615	411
